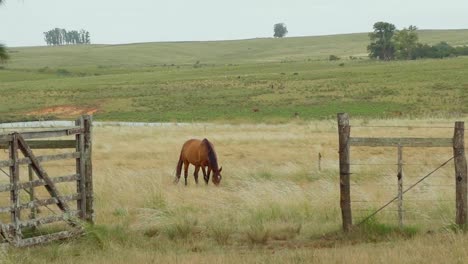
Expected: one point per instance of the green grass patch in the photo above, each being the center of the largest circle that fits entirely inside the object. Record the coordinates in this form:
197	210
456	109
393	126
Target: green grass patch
265	80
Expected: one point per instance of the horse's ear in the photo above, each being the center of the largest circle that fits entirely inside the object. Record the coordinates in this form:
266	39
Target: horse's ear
220	169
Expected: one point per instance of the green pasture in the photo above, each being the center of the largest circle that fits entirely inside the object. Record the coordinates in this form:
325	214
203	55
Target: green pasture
258	80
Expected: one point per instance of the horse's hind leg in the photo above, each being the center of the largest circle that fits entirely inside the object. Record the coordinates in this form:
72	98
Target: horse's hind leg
178	169
204	174
195	173
186	164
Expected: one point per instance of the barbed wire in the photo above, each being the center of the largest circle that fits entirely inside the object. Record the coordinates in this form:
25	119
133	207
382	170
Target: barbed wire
408	127
409	188
405	200
390	164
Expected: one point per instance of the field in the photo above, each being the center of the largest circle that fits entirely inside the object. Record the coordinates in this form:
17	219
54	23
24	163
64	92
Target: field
273	204
269	106
262	80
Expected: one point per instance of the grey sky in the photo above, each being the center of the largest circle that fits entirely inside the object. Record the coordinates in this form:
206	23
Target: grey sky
22	22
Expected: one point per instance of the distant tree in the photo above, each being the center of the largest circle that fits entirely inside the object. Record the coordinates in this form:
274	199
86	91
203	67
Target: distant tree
3	51
422	51
280	30
439	51
87	38
382	45
406	41
60	36
462	50
443	49
3	54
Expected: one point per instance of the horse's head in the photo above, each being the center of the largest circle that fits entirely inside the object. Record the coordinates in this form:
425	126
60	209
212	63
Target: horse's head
217	176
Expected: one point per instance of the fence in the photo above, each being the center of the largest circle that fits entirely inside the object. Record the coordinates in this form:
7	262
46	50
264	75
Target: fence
22	231
456	143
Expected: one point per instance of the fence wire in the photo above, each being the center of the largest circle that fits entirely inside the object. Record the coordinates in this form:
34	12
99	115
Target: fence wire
409	188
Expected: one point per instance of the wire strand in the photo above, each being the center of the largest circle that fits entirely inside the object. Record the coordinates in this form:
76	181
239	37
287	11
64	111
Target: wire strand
409	188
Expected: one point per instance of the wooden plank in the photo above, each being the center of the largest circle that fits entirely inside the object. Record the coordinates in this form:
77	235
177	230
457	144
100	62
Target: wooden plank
45	158
45	144
51	133
41	173
404	142
44	134
42	202
49	219
344	131
36	183
88	127
32	197
47	238
461	179
5	163
5	138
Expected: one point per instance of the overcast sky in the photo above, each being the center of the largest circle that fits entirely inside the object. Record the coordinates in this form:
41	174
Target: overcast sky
22	22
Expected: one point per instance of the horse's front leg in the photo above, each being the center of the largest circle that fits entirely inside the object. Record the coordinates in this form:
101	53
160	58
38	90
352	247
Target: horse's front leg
204	174
195	173
186	164
208	175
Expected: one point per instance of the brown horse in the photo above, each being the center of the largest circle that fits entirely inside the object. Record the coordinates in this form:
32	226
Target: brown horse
199	153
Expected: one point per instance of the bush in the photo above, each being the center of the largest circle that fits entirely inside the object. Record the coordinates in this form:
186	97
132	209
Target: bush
63	72
333	58
258	234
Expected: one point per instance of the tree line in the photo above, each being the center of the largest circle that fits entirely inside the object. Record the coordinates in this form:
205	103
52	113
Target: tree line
60	36
388	43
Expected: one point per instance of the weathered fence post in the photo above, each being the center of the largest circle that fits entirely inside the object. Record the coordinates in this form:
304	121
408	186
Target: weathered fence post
80	169
14	193
460	174
88	147
400	186
345	193
320	161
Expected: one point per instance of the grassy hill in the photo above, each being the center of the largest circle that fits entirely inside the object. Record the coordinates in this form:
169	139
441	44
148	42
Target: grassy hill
270	80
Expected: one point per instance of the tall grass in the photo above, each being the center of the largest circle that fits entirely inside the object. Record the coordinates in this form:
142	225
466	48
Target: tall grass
273	204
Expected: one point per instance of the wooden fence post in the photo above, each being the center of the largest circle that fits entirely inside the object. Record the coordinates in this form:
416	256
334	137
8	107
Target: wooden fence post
320	161
460	174
14	193
80	169
88	147
345	193
400	186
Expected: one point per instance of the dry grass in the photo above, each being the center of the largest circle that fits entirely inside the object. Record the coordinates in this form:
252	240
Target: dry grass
273	204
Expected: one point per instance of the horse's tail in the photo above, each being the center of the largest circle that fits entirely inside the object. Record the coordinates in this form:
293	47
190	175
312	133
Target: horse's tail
179	168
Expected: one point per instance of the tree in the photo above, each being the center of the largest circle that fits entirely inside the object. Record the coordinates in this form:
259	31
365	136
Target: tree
382	45
60	36
280	30
3	52
406	42
443	49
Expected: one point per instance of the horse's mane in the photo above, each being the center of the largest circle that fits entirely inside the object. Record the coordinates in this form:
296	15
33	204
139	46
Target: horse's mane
211	154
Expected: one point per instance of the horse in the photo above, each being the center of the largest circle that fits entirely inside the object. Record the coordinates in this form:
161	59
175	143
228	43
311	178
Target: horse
201	154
